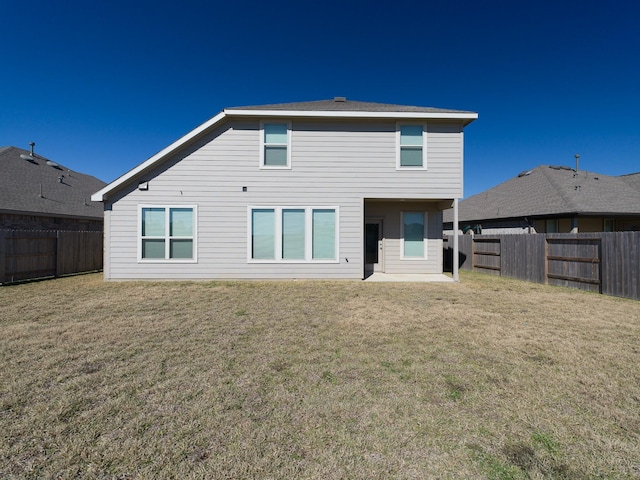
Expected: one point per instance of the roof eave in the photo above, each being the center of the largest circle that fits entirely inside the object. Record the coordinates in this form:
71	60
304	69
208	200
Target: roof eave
468	116
34	213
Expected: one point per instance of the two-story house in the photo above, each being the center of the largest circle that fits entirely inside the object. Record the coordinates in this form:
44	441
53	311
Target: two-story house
326	189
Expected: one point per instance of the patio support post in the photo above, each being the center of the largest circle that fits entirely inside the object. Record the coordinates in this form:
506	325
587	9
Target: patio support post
456	257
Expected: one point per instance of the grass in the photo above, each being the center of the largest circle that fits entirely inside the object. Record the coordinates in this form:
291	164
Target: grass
490	378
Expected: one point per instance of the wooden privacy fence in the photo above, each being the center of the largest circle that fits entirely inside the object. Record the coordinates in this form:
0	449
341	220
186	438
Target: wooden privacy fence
607	263
26	255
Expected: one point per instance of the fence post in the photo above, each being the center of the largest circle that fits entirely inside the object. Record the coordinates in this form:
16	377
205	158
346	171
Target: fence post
546	259
600	259
472	251
3	256
57	253
502	256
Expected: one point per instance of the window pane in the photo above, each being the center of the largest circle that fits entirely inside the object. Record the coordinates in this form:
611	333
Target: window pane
413	234
263	234
275	133
293	234
324	234
153	222
275	156
411	135
608	224
152	248
181	222
410	157
181	249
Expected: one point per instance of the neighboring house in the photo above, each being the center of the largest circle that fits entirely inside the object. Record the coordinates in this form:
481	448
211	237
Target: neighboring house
39	194
326	189
550	199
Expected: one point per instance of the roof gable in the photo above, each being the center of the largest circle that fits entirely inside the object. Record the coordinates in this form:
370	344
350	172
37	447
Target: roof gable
336	108
33	184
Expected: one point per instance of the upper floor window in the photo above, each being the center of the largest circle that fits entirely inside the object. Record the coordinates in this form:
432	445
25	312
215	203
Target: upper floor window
411	146
167	233
275	148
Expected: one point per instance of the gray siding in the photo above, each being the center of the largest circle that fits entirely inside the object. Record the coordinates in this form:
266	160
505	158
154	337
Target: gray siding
333	164
390	214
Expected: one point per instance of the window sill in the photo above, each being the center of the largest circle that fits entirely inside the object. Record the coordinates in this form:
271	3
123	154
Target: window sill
289	262
398	168
167	261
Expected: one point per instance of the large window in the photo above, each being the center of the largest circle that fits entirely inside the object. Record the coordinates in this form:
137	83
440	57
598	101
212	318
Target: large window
414	235
411	146
293	234
167	233
275	148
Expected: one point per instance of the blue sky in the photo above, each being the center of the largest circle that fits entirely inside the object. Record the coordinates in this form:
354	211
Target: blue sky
101	86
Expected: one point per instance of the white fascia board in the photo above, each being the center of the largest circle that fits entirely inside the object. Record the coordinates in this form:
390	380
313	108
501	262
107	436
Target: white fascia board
351	114
100	195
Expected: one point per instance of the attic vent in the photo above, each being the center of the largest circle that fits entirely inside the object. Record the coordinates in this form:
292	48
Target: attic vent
525	173
30	157
54	165
339	99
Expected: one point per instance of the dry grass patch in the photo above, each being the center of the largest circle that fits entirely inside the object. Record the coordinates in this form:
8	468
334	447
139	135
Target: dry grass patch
490	378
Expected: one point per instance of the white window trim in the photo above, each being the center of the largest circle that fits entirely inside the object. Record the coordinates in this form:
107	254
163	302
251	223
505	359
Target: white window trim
424	145
425	235
308	233
262	145
166	236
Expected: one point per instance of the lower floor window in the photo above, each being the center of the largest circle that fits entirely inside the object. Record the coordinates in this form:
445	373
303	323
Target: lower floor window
293	234
413	235
167	233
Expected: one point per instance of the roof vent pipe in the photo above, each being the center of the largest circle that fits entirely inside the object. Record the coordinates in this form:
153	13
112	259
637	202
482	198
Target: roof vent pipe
577	155
30	156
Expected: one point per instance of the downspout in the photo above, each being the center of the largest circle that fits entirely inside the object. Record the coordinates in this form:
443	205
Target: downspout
456	259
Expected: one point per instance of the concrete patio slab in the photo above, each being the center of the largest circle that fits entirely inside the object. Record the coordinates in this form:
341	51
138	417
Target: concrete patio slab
398	277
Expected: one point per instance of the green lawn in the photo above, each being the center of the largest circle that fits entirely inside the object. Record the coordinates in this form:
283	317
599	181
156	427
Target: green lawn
490	378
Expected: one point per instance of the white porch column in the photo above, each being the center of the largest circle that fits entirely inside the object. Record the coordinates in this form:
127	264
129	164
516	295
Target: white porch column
456	256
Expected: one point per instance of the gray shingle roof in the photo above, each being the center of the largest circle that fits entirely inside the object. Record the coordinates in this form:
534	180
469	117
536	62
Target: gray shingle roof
632	179
346	106
22	181
549	190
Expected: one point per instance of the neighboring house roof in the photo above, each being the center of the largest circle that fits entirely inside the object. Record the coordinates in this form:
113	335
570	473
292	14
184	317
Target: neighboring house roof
632	179
551	190
339	107
30	185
